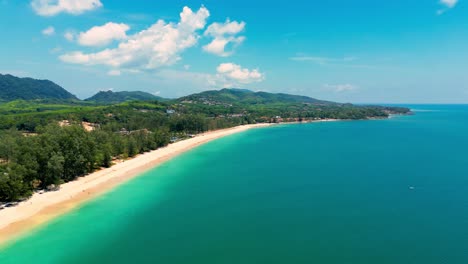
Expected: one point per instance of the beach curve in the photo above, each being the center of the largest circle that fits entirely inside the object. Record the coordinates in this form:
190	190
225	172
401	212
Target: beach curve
41	208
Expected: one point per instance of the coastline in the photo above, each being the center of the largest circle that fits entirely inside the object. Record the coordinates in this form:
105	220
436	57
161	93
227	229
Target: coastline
41	208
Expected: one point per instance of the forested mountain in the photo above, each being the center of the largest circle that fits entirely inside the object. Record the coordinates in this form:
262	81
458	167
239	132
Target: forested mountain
14	88
250	97
110	97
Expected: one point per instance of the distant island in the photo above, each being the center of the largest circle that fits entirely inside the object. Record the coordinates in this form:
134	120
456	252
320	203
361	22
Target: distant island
49	137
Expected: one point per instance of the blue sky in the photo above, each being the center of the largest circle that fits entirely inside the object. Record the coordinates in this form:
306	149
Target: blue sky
361	51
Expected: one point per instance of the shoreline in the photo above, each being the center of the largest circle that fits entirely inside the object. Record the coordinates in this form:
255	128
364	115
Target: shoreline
41	208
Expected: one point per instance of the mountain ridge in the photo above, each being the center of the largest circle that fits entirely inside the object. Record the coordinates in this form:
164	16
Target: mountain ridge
232	95
15	88
110	97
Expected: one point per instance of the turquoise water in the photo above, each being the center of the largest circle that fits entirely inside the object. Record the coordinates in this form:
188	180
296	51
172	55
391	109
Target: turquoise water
386	191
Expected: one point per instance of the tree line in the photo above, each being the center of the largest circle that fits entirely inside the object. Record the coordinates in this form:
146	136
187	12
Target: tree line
61	154
36	153
55	154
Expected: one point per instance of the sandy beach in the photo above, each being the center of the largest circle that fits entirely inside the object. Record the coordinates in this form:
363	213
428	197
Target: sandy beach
40	208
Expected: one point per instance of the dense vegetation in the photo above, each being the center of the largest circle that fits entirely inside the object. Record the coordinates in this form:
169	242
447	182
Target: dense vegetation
14	88
44	143
60	154
44	153
110	97
249	97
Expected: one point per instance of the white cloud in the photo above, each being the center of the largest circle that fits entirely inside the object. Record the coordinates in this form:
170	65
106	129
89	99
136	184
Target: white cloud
350	62
227	75
114	73
55	50
218	45
323	60
226	28
233	75
103	35
159	45
339	88
448	4
182	82
48	31
69	35
54	7
224	34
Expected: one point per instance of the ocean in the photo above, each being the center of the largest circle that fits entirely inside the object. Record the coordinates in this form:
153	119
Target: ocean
381	191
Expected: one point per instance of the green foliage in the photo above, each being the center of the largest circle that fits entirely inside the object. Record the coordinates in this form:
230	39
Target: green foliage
60	154
13	88
12	185
229	96
109	97
36	152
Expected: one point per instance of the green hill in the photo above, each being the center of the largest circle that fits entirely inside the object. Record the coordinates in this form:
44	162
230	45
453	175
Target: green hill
14	88
109	97
228	96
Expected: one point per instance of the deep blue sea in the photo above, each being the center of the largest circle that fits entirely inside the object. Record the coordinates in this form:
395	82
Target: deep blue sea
355	192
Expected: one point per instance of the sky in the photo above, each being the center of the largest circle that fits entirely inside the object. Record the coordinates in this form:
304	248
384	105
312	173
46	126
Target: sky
360	51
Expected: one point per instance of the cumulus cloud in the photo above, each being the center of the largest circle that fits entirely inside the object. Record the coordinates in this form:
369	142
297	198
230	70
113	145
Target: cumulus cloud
114	73
48	31
103	35
159	45
323	60
227	75
350	62
69	35
55	50
54	7
448	4
339	88
186	79
233	75
224	34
